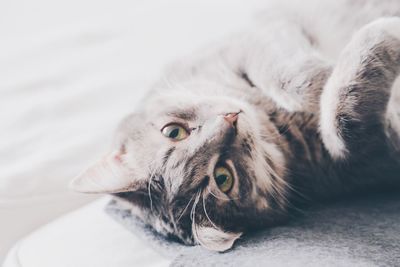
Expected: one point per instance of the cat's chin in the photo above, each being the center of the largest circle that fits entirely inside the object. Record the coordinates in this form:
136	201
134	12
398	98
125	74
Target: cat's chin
211	238
215	239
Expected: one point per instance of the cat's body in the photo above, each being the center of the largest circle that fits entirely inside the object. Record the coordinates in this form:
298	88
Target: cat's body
297	122
294	110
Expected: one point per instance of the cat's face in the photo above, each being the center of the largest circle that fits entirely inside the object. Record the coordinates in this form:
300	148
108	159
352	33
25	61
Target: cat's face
200	169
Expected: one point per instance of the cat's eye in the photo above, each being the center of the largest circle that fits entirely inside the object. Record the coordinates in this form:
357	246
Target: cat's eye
224	178
175	132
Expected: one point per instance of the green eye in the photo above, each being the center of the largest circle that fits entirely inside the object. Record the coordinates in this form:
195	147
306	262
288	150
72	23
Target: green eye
223	178
175	131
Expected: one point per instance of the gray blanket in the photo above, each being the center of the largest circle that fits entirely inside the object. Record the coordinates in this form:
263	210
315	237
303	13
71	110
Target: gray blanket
352	232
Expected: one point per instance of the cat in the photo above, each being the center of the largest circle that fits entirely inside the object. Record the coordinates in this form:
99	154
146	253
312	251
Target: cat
302	107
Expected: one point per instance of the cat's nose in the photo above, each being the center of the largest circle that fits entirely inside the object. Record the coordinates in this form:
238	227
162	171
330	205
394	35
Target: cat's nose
232	118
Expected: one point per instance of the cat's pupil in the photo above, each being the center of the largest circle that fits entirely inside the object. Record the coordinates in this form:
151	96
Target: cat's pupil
221	179
174	133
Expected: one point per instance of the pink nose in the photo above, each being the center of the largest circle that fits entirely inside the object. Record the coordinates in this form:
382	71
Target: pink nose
232	118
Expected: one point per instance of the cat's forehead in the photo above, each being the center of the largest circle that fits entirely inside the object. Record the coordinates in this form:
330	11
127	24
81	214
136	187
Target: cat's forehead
185	114
191	108
188	113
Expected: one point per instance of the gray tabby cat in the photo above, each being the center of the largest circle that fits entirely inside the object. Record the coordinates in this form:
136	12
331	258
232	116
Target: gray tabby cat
302	107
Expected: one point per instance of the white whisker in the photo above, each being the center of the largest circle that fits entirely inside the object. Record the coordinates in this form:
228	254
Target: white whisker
149	193
205	212
196	201
193	215
187	205
149	188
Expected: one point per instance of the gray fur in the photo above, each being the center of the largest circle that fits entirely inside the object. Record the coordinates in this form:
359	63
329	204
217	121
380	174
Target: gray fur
310	127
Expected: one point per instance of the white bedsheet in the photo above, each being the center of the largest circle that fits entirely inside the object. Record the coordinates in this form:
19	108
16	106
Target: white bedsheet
69	70
86	237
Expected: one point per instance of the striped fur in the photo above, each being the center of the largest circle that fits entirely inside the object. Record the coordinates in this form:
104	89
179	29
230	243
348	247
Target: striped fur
310	127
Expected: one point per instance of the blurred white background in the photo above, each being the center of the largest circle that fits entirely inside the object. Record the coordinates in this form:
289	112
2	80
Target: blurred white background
69	70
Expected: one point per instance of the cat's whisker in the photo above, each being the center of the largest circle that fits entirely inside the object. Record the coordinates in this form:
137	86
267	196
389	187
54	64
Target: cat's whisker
282	191
279	189
196	201
184	210
205	212
149	185
149	192
297	192
286	184
193	214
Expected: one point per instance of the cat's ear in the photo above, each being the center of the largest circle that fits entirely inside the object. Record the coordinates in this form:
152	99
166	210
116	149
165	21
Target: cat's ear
215	239
108	175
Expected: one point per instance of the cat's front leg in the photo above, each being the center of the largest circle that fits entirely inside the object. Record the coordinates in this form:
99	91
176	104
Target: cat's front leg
280	59
355	98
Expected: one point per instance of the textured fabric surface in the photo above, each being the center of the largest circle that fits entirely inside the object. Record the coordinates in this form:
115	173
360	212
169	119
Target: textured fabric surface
353	232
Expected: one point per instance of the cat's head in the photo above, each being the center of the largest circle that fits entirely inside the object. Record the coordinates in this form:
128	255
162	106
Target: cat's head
202	169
